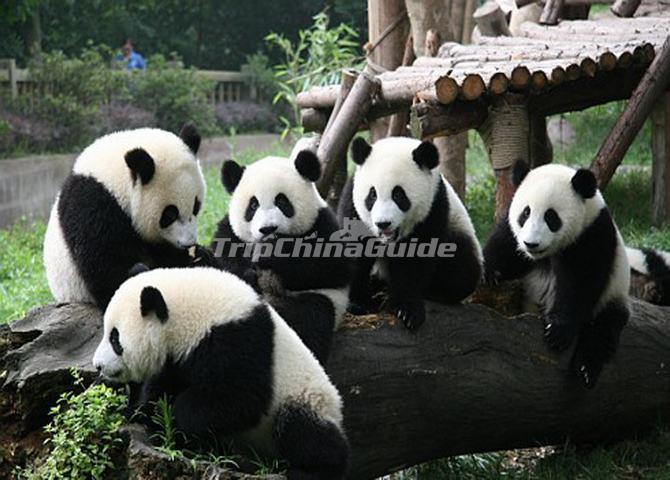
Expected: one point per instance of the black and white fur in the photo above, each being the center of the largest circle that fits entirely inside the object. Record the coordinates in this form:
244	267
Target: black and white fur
229	364
272	199
655	265
133	196
559	236
400	195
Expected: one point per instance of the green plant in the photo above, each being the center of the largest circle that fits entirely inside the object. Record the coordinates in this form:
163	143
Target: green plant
84	434
167	434
266	465
316	59
174	95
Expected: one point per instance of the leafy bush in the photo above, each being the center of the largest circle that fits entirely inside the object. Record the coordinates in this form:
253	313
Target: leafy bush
120	115
173	94
246	117
84	434
316	59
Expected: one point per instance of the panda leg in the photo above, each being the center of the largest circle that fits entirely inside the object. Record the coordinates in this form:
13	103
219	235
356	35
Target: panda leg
598	343
458	276
314	448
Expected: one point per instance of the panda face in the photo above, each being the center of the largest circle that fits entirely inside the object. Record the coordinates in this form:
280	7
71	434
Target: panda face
548	212
394	184
273	196
134	345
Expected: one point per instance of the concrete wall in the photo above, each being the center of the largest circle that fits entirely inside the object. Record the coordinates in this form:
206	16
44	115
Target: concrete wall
28	185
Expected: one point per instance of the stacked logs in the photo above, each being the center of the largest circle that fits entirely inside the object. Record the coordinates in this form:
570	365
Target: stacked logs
542	58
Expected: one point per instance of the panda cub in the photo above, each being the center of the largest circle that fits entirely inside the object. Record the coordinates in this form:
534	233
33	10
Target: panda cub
133	196
275	200
229	364
655	265
400	196
559	236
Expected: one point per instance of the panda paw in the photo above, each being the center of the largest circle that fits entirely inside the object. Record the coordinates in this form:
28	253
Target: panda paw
586	367
411	314
558	333
492	277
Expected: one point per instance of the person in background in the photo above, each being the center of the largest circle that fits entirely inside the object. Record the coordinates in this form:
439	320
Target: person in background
129	57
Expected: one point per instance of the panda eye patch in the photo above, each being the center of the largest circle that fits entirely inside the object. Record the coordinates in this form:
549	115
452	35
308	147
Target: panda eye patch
400	198
196	206
251	209
169	216
284	204
524	216
371	198
114	341
553	220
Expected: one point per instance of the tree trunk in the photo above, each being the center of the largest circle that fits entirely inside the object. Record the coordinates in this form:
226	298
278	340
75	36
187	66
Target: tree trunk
625	8
491	20
660	155
470	380
551	11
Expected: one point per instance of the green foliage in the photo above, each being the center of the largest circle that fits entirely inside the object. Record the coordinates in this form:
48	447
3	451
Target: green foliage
315	59
174	94
166	437
84	434
257	65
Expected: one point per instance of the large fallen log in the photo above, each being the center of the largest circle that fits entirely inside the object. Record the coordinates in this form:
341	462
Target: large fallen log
471	380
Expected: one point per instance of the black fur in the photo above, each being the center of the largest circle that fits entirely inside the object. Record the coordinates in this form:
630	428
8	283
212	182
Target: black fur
296	274
315	449
584	182
519	172
102	240
190	136
231	174
151	300
426	156
225	384
308	166
660	274
447	280
141	165
360	150
581	272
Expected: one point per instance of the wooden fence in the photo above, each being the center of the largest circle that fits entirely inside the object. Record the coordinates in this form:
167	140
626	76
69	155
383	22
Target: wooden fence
228	86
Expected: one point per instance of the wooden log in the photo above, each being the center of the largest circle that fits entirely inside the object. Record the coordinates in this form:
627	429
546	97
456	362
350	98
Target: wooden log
472	87
660	154
588	67
653	83
430	120
468	20
335	141
625	8
538	80
347	79
446	89
398	122
520	78
314	119
552	8
491	20
318	97
425	15
498	83
607	61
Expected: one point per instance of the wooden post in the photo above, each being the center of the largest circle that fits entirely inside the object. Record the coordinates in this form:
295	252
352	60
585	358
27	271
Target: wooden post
651	86
468	21
491	20
398	122
388	29
541	150
334	143
660	152
11	76
551	11
625	8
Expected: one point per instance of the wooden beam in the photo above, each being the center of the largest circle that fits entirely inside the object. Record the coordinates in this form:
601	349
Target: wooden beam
660	154
429	120
653	84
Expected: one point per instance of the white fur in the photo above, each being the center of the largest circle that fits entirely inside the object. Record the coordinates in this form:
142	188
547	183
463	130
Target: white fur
198	299
550	186
637	260
265	179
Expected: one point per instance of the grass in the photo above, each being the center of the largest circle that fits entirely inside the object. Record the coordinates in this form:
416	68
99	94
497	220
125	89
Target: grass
23	286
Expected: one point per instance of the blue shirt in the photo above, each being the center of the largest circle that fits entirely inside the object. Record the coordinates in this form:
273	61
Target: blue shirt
135	61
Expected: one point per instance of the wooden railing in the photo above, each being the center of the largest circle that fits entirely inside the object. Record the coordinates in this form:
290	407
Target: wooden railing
228	86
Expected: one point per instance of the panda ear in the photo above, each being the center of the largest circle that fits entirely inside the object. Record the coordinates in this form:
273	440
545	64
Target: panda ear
231	174
152	300
584	182
426	155
519	172
308	166
360	150
141	165
189	134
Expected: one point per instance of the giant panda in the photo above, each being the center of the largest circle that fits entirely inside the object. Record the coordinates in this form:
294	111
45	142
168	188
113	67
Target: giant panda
400	196
559	237
275	200
133	196
228	363
653	266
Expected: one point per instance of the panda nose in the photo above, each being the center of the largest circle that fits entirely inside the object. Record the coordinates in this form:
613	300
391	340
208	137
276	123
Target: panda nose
268	229
383	225
531	245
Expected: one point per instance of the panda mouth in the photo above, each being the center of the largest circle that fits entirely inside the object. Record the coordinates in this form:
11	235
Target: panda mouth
389	234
